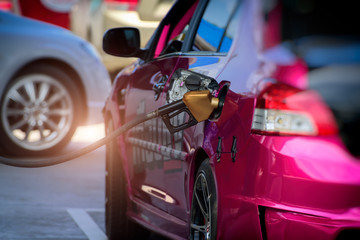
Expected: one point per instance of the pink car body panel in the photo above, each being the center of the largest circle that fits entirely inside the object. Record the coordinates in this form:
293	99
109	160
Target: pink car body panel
278	187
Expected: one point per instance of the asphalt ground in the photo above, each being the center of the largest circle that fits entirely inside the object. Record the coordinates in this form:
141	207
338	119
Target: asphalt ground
62	202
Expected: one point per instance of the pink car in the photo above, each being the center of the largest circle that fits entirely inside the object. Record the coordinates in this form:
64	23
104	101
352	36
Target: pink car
276	159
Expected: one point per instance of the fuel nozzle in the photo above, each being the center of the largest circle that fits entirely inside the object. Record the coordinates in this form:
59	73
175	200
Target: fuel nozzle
198	106
192	98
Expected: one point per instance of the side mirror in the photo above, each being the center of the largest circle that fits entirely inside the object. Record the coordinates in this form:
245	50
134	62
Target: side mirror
123	42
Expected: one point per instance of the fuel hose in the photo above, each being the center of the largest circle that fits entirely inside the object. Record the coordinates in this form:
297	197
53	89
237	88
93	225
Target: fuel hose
49	161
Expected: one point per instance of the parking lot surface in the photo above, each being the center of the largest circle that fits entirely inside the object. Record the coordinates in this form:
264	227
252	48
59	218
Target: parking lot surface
61	202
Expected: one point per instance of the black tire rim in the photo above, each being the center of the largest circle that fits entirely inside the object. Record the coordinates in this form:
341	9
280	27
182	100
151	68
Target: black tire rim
201	216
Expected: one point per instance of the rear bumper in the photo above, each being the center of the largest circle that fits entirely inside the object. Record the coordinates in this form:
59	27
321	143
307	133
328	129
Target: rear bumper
310	187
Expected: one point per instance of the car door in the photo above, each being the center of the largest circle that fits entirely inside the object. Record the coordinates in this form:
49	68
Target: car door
150	143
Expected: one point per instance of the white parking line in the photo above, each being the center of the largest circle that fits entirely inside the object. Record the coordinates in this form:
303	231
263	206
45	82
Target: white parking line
86	224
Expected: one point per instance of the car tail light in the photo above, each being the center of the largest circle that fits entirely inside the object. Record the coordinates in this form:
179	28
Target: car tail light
285	110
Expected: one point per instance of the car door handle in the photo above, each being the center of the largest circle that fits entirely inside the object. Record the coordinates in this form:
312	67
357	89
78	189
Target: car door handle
159	86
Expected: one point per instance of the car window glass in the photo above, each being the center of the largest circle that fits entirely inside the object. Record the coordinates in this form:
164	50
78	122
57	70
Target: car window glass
217	26
229	33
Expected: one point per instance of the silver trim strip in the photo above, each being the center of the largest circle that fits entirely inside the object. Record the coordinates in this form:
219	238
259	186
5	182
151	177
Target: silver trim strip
157	148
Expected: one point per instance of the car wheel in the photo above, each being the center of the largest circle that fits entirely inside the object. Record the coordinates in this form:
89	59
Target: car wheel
118	226
38	111
204	204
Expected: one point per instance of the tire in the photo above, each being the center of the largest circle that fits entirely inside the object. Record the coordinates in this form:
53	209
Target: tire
38	111
203	221
118	225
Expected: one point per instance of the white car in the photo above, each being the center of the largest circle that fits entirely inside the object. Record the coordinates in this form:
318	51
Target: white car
51	81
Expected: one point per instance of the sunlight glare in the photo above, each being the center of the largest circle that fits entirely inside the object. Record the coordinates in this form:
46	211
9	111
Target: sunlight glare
89	133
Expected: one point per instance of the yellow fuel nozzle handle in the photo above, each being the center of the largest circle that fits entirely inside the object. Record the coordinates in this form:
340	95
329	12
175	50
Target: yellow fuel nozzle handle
201	104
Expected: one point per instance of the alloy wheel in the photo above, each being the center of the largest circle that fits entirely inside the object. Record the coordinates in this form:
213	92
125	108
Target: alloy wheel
37	112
